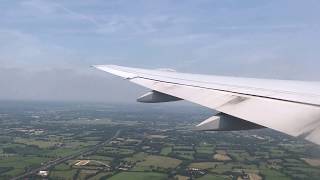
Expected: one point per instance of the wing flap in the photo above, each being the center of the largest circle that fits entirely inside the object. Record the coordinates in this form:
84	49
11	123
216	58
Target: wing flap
291	118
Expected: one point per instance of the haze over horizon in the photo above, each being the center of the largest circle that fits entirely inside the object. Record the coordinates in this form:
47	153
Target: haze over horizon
47	47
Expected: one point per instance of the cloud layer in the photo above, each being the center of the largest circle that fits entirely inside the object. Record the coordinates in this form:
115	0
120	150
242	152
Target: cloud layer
47	47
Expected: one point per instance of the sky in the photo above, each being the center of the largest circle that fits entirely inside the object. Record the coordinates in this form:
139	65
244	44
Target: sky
48	46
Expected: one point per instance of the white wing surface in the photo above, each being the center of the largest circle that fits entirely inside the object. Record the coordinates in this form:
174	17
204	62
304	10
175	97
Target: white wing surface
292	107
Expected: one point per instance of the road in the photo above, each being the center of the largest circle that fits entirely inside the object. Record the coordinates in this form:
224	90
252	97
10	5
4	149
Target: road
55	162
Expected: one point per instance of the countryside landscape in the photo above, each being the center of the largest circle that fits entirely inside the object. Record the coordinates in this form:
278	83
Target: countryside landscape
41	140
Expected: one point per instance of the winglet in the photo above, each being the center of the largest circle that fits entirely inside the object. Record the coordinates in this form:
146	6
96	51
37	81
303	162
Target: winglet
116	70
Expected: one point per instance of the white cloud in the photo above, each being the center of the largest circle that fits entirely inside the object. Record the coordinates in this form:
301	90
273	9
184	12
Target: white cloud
268	39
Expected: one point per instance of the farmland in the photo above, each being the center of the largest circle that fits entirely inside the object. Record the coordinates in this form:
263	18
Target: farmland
139	142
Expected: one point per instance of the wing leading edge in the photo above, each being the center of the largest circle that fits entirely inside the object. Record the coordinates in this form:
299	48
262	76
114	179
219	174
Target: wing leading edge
292	107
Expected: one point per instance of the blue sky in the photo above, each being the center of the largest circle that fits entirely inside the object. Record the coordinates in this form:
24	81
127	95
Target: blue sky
47	46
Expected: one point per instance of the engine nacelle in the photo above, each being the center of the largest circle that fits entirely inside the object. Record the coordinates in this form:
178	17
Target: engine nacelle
157	97
224	122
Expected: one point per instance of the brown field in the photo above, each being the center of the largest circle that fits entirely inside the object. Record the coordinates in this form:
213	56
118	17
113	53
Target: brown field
312	162
204	165
180	177
82	163
221	152
157	136
221	156
252	177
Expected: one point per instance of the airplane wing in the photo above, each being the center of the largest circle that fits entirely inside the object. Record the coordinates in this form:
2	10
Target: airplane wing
291	107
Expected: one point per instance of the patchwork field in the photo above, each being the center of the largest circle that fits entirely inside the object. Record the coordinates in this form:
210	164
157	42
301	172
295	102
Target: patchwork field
141	145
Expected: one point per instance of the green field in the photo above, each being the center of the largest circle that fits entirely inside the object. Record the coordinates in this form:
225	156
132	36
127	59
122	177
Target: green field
61	152
182	148
276	153
20	163
239	155
39	143
136	157
139	176
222	168
274	175
165	151
77	144
65	174
205	165
188	155
62	167
205	149
151	162
97	157
118	151
100	175
213	177
84	174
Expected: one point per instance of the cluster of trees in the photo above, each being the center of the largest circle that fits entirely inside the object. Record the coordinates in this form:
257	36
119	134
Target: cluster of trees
26	150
